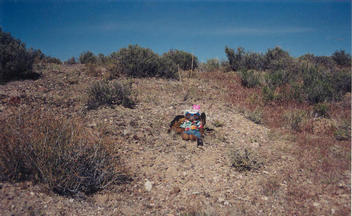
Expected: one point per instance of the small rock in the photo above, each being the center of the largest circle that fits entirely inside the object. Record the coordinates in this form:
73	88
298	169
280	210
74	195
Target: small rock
316	204
220	200
71	200
333	211
175	190
226	203
125	132
265	198
31	193
148	185
92	125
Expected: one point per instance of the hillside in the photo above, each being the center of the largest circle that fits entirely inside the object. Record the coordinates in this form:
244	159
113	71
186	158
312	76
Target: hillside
185	180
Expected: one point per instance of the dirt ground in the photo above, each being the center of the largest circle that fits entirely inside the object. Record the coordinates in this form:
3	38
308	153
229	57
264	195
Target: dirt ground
170	176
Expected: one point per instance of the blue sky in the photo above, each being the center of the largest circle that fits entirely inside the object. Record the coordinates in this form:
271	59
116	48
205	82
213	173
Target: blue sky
65	28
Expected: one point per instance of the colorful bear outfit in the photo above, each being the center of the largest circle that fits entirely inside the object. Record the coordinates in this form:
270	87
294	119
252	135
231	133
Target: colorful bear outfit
192	126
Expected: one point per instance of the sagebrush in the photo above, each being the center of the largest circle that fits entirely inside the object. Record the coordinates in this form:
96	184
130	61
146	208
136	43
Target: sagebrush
43	147
113	93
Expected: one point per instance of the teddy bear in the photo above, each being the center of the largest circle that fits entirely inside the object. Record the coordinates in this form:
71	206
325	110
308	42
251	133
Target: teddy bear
190	125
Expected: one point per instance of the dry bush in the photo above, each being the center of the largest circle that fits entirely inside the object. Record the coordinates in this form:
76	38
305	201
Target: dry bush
343	131
105	93
295	119
271	185
255	116
60	153
94	70
245	160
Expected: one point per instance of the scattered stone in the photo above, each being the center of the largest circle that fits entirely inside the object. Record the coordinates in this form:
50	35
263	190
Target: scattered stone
148	185
316	204
265	198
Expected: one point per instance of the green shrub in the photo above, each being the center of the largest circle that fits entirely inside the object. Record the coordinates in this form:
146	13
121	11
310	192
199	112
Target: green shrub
277	59
268	94
87	57
294	119
242	60
341	82
343	131
342	58
250	78
104	93
245	161
277	78
41	147
321	110
167	68
136	61
15	60
254	61
236	59
317	86
183	59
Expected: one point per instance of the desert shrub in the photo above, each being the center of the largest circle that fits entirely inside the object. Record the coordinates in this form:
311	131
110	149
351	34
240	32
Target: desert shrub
15	60
87	57
71	61
254	61
294	119
52	60
225	66
317	85
278	78
242	60
268	94
236	59
114	93
41	147
343	131
102	59
245	161
321	110
167	68
136	61
342	58
210	65
341	82
94	70
38	55
250	78
277	59
183	59
255	116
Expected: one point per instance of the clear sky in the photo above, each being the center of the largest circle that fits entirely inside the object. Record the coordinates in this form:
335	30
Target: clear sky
65	28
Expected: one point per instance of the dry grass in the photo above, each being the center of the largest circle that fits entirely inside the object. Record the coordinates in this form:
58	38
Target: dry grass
43	147
323	162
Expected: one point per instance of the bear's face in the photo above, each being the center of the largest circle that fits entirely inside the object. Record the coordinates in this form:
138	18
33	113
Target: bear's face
192	117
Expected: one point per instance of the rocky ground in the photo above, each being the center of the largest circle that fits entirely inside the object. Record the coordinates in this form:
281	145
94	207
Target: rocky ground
170	176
